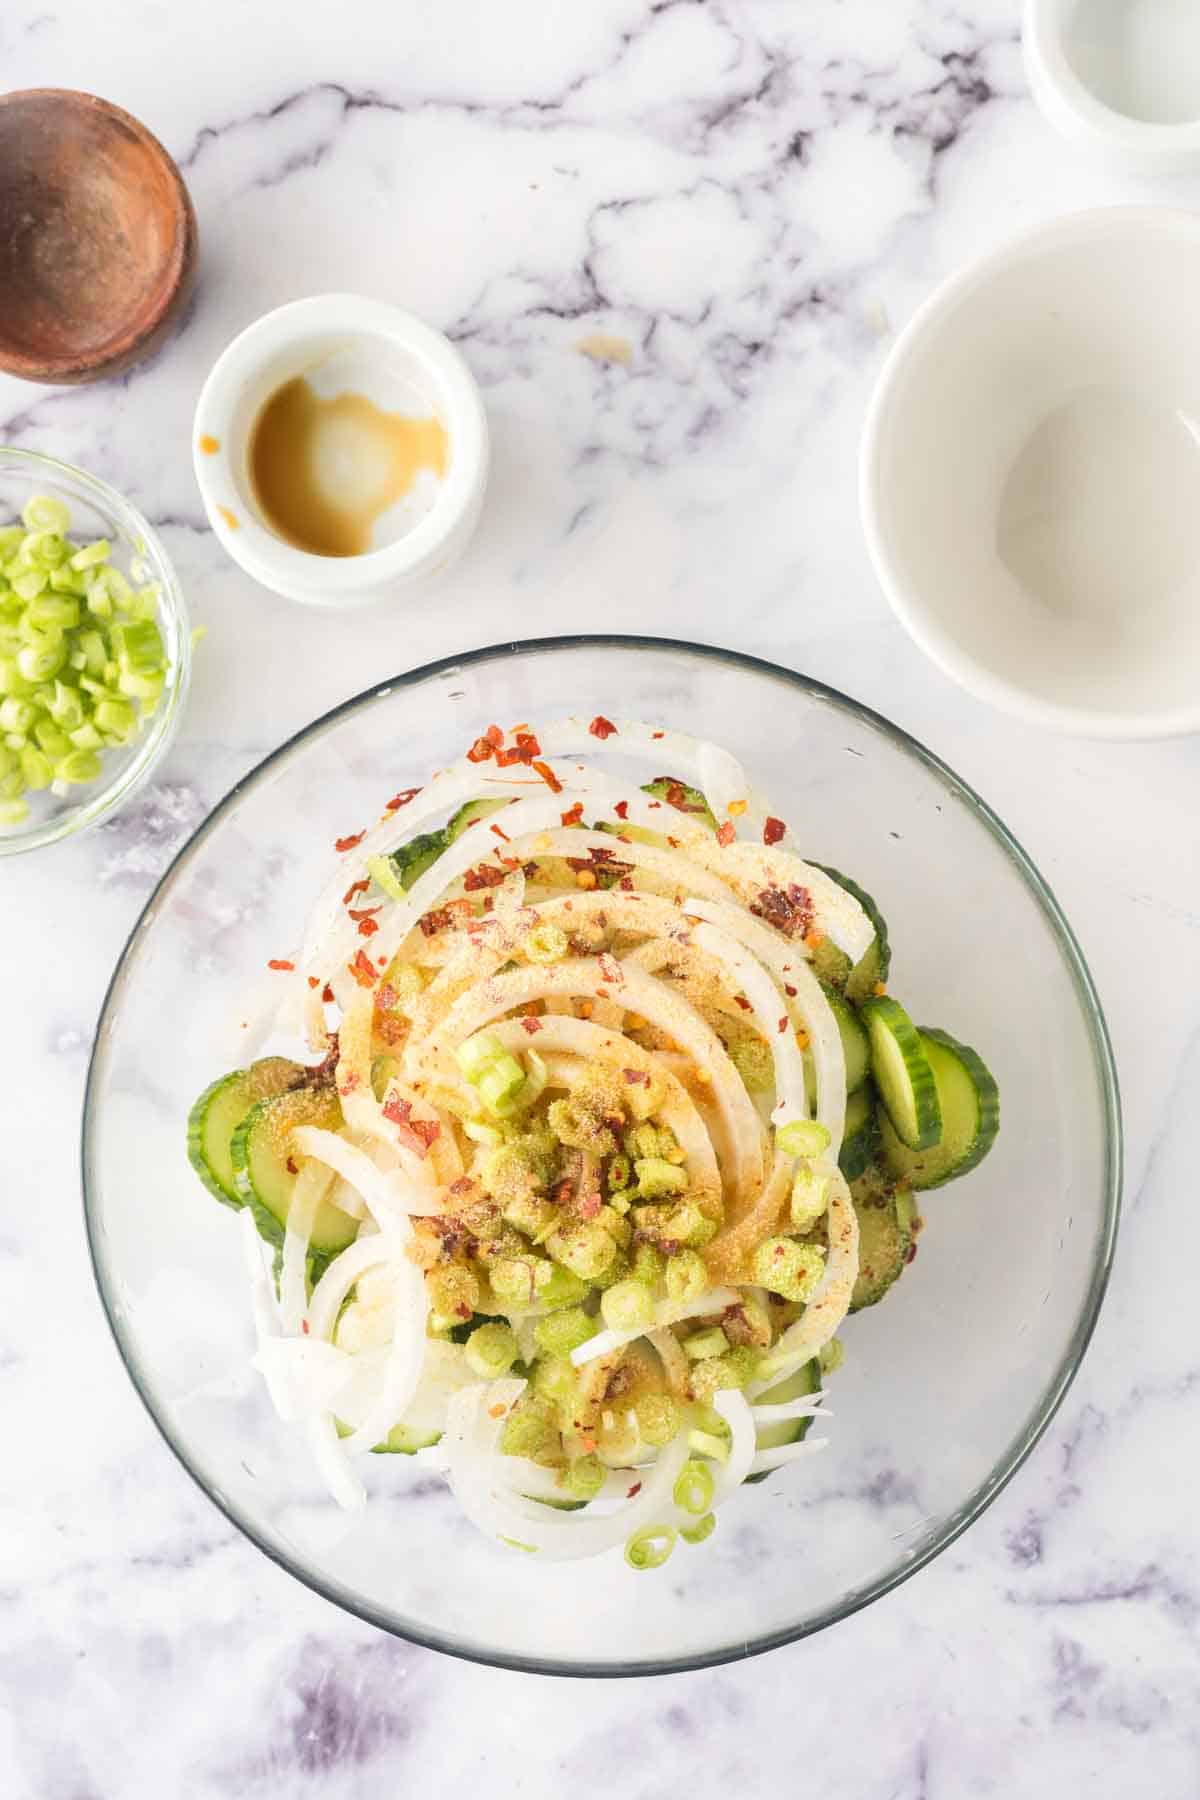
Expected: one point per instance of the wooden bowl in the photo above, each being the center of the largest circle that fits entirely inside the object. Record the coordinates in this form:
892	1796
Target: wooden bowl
98	237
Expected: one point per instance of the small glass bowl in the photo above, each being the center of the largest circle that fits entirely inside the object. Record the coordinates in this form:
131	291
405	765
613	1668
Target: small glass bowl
98	511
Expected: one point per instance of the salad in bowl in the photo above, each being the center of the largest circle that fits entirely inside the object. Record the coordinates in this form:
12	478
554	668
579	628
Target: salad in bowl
588	1118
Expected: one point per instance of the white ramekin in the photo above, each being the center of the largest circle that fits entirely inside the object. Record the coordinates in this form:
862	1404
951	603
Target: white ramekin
1123	144
1087	310
287	343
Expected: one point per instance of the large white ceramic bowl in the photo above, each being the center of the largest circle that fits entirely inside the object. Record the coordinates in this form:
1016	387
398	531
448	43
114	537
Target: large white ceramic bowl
1030	475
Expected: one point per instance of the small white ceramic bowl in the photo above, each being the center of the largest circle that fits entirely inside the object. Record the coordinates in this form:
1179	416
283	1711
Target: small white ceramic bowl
1030	475
386	352
1120	80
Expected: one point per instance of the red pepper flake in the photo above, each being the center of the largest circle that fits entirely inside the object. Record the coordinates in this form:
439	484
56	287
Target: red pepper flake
399	800
391	1029
480	750
635	1076
352	1081
531	1024
589	1206
304	1326
601	727
789	990
486	875
788	911
783	1025
610	968
291	1166
742	1002
562	1193
314	981
726	834
498	1411
363	970
626	882
573	814
674	842
622	809
387	996
635	1489
509	862
356	887
773	830
364	918
348	843
279	962
397	1109
658	734
912	1251
656	806
503	835
327	994
549	777
464	1185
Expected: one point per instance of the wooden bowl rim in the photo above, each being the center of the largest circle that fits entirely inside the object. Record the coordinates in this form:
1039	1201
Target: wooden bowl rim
177	267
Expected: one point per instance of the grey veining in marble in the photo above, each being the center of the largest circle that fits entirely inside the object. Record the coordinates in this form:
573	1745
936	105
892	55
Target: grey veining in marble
750	196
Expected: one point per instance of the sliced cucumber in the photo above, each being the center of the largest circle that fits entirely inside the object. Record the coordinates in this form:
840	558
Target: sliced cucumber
467	815
220	1110
806	1380
859	981
970	1107
885	1235
855	1047
902	1073
861	1137
261	1152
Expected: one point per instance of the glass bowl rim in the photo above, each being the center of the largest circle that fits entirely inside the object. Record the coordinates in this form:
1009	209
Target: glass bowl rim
101	798
1014	1454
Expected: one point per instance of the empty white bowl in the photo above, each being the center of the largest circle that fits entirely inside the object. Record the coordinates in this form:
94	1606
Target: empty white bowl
1119	78
1030	475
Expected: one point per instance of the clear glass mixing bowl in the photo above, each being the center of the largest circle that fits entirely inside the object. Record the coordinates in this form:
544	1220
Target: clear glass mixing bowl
946	1386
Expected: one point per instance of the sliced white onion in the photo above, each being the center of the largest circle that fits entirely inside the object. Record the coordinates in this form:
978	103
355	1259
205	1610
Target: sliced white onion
389	1197
666	1313
311	1187
766	1460
729	1475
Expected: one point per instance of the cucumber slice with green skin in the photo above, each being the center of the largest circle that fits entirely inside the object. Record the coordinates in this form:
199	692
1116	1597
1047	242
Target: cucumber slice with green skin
806	1380
886	1218
833	966
469	813
220	1110
861	1139
261	1152
970	1108
855	1048
902	1073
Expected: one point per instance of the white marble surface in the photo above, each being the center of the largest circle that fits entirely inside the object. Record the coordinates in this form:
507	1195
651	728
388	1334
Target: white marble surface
754	194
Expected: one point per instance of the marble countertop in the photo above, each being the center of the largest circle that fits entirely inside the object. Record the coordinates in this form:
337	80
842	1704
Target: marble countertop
750	196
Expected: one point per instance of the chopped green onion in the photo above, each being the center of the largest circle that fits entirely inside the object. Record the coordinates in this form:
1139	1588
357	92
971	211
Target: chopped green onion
656	1178
80	767
91	554
491	1351
584	1478
687	1276
832	1356
620	1173
802	1137
693	1490
42	512
479	1133
561	1332
703	1528
787	1268
650	1547
13	812
658	1419
711	1342
36	768
546	944
500	1082
810	1197
628	1306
